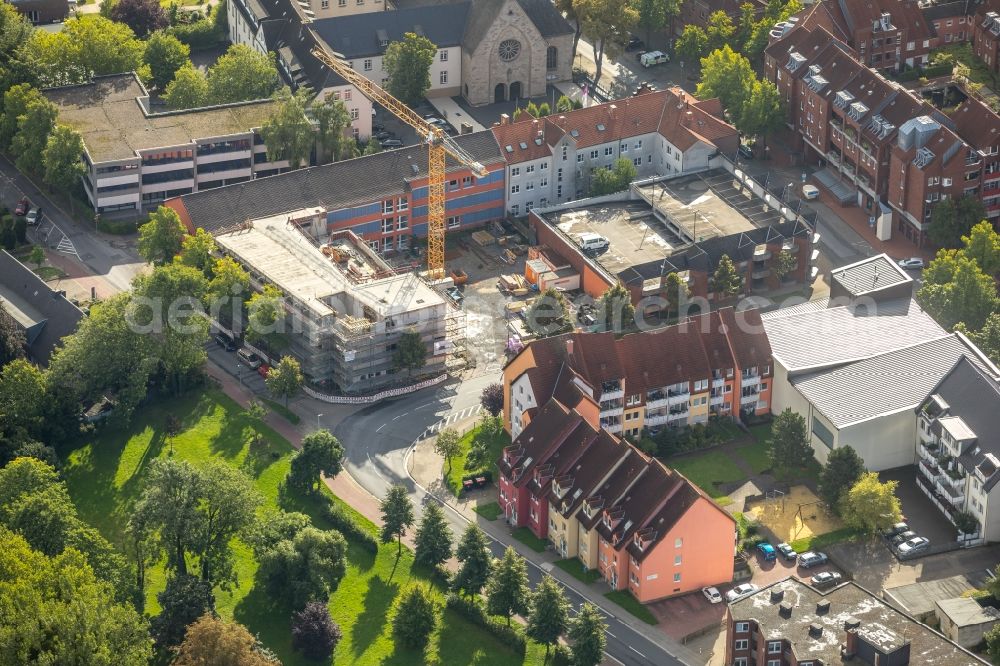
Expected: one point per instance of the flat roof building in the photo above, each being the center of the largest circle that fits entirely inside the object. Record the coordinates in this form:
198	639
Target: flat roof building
138	156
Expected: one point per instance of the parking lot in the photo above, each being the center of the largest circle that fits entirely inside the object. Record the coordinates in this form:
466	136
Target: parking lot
919	512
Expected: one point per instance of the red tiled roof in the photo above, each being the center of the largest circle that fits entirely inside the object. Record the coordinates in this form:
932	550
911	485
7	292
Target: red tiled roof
604	454
749	340
977	124
628	117
519	140
649	364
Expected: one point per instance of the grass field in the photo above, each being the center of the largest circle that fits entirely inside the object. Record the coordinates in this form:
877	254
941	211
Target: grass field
281	410
528	538
489	511
574	568
105	474
756	456
632	605
708	470
458	463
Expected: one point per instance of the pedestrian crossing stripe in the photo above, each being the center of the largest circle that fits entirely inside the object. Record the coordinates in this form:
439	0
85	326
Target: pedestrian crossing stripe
451	418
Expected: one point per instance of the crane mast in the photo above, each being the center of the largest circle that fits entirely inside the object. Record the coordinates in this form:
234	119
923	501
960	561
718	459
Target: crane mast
439	146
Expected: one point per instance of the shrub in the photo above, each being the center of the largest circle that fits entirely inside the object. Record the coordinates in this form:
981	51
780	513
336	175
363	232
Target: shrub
198	35
117	227
347	526
314	633
472	610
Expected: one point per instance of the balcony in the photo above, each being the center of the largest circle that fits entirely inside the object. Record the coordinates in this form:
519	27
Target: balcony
760	274
611	390
954	496
613	428
930	470
953	479
761	253
748	399
929	451
717	400
657	419
718	382
752	380
677	398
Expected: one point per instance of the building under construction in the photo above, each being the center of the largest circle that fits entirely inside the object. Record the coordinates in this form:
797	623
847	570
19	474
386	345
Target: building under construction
345	307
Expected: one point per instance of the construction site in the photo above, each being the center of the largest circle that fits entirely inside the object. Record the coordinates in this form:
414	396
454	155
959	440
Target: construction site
346	307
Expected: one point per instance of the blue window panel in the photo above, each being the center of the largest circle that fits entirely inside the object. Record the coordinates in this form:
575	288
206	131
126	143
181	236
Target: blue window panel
473	199
419	211
493	177
420	230
483	216
419	193
349	213
367	228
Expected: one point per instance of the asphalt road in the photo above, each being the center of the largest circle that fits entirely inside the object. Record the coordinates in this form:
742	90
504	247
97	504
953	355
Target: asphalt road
377	441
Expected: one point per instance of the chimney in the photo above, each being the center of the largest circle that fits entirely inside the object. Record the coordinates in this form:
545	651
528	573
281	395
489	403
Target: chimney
611	109
569	347
822	607
504	119
785	609
815	629
777	595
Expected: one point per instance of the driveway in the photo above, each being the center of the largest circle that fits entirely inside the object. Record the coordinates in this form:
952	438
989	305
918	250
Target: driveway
683	616
920	513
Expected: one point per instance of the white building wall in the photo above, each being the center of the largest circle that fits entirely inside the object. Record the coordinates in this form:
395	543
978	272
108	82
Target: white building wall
533	182
328	8
522	398
884	442
373	69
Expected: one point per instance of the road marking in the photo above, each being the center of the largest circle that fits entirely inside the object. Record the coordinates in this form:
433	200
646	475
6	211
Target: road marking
613	658
636	651
400	416
426	404
379	429
610	634
374	468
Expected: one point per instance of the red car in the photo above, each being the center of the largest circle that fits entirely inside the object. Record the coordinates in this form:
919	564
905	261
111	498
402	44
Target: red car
22	207
263	370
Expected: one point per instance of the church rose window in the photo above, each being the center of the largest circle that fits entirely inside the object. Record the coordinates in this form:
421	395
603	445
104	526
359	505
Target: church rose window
509	49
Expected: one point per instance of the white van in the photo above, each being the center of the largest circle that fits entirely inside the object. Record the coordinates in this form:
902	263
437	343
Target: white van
651	58
591	242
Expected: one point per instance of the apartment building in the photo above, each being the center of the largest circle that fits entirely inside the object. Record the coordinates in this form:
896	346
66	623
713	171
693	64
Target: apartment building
643	527
696	12
282	28
550	160
881	146
137	157
985	26
346	309
790	622
958	460
382	198
718	363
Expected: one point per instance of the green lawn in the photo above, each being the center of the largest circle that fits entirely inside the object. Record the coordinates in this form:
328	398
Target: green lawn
458	464
756	456
708	470
574	568
624	599
527	537
489	511
105	474
823	540
761	432
48	273
281	410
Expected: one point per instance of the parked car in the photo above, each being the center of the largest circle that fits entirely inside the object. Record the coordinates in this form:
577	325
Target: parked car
392	143
34	216
651	58
225	341
591	242
787	552
810	192
903	537
382	135
377	127
434	120
911	264
22	207
634	44
767	552
264	370
898	528
811	559
740	591
825	579
712	594
248	358
456	295
913	546
745	152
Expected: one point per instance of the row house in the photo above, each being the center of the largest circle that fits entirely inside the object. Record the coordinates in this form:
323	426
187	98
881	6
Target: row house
958	457
718	363
985	26
791	622
550	160
136	159
643	527
900	153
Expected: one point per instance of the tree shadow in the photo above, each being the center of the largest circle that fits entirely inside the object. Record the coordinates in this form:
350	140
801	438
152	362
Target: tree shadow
268	618
378	599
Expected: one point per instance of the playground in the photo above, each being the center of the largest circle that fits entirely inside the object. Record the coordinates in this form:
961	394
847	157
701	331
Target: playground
794	515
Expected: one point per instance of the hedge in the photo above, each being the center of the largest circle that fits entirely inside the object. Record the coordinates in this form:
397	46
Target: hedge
350	529
117	227
198	35
473	611
486	474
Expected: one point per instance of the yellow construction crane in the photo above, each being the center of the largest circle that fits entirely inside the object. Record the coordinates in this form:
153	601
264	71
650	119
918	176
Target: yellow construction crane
439	144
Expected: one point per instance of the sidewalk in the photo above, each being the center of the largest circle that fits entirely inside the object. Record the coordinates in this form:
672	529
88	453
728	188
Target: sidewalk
424	466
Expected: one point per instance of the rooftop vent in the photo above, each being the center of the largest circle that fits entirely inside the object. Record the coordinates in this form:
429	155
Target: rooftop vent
777	595
795	60
851	623
843	99
857	110
815	630
785	609
822	607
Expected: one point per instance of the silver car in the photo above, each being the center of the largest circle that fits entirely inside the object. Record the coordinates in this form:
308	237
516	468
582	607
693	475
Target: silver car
913	546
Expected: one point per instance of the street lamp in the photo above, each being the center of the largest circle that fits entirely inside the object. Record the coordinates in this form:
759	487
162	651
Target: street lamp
318	426
239	372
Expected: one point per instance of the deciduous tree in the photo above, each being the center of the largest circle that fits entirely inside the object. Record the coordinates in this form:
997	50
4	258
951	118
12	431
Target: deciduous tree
87	46
321	453
12	340
548	314
675	291
719	30
196	251
476	561
871	505
143	16
288	133
332	122
548	618
61	159
32	136
726	281
653	16
242	74
568	9
397	516
692	45
433	538
615	309
169	505
162	237
617	179
15	105
411	352
314	633
842	470
586	634
448	444
492	398
988	337
415	618
211	641
608	24
307	567
982	245
762	113
187	90
784	263
789	447
951	219
266	318
184	600
727	75
285	379
227	507
507	591
165	55
956	290
408	64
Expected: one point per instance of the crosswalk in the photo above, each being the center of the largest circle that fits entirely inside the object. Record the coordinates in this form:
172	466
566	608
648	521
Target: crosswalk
454	417
66	245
